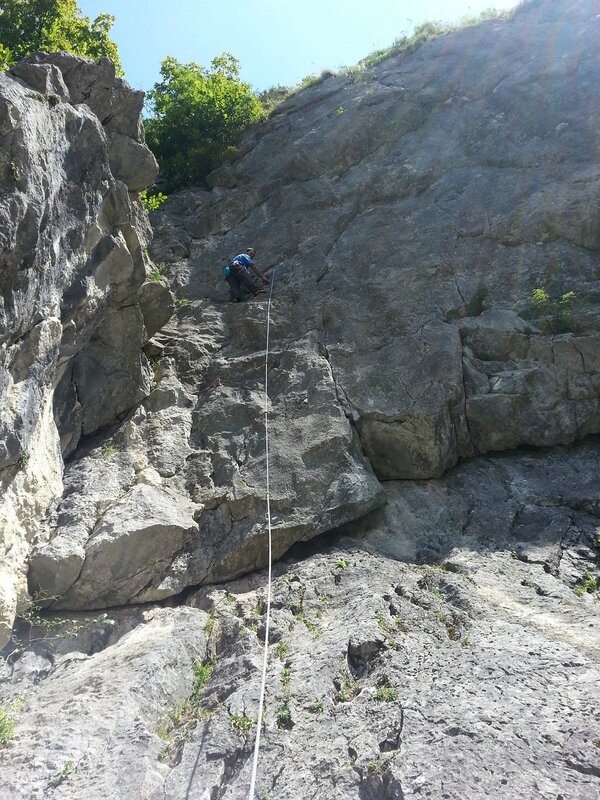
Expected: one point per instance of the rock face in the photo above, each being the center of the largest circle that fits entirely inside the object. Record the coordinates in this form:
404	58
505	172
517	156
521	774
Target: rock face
410	217
410	212
426	412
72	237
404	206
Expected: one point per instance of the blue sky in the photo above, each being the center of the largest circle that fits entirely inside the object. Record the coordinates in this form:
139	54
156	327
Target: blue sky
276	41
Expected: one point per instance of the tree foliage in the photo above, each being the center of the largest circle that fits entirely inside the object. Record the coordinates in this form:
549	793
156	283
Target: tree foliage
52	25
198	115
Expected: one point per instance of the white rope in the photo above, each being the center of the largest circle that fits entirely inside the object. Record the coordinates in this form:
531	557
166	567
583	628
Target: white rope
261	702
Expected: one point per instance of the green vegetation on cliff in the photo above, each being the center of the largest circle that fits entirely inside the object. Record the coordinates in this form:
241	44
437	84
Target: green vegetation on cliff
198	115
52	25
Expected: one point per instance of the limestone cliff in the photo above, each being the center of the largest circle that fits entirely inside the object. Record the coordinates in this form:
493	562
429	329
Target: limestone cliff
409	213
73	236
434	449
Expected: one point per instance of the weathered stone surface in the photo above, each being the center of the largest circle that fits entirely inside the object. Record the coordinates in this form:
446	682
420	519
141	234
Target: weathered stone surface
71	264
44	78
527	389
131	162
112	100
402	202
207	454
407	247
102	711
136	538
443	629
444	644
156	303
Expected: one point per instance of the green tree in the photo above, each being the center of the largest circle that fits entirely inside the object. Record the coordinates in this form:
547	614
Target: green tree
52	25
197	116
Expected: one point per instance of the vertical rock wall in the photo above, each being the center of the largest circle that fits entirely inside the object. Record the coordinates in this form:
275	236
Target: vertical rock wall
72	241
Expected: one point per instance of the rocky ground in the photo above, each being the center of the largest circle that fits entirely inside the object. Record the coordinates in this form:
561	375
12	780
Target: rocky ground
444	647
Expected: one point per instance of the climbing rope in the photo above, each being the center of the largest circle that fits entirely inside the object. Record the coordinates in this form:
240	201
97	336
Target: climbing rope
261	701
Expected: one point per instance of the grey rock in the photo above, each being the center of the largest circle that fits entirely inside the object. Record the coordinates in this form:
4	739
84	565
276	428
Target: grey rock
71	329
395	360
44	78
527	389
131	162
441	629
213	463
409	201
110	378
156	303
443	639
136	538
111	99
153	652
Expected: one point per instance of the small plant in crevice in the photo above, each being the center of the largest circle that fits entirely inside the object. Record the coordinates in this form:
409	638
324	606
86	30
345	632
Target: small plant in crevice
452	625
15	171
438	593
375	767
62	775
558	313
260	608
385	694
296	602
283	714
241	723
453	630
202	674
312	627
316	707
390	627
23	460
152	202
7	727
179	725
383	623
281	649
347	687
209	625
587	584
108	451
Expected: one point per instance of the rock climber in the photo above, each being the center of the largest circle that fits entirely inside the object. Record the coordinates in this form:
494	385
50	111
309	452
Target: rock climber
238	274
